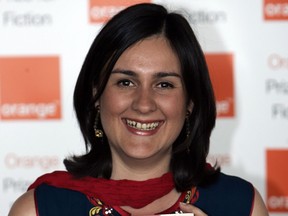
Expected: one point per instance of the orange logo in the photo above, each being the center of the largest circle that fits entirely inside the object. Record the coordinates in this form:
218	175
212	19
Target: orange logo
275	9
277	180
102	10
221	73
29	88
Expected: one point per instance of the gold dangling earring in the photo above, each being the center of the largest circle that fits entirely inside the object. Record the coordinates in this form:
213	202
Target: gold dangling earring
187	124
98	132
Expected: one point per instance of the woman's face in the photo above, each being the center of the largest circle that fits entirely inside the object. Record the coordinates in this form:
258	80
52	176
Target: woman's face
143	106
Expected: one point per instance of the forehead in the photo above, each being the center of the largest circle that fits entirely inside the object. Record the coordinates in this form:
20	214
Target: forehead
153	53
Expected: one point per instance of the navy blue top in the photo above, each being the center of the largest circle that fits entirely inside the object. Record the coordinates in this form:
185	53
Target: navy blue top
229	195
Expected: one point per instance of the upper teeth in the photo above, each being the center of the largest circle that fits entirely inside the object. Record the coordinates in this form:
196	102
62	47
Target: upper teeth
142	126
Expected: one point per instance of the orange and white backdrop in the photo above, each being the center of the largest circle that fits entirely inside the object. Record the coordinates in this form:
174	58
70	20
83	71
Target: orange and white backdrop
43	44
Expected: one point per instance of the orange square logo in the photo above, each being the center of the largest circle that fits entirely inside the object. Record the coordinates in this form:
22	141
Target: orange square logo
102	10
275	9
29	88
221	73
277	180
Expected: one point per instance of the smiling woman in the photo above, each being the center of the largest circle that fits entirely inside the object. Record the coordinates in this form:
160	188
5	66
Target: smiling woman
145	106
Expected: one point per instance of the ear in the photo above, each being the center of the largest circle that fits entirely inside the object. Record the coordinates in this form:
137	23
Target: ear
94	92
190	106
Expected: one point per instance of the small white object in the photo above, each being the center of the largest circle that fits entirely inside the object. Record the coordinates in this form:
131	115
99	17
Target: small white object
180	214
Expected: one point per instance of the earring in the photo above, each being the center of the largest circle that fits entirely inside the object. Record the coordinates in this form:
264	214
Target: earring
187	123
98	132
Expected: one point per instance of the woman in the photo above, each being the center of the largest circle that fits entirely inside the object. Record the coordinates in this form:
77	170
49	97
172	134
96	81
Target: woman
146	109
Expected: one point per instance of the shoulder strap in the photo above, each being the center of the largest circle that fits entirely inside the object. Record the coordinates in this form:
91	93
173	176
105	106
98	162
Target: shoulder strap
228	195
53	201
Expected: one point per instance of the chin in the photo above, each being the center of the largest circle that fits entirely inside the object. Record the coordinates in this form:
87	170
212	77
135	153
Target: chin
145	154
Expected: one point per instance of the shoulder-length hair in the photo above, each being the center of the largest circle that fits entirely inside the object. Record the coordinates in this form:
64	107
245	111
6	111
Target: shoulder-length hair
135	23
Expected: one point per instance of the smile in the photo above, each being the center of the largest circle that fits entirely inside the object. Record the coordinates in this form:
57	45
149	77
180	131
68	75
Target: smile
142	126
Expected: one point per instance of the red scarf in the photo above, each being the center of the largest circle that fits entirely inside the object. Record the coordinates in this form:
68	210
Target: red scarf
136	194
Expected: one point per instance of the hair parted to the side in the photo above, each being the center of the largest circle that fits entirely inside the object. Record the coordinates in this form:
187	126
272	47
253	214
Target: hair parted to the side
129	26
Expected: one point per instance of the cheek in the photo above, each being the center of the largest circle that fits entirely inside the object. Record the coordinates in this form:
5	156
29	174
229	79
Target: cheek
112	103
175	107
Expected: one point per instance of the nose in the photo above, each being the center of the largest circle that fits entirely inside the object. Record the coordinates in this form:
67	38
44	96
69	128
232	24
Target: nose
144	101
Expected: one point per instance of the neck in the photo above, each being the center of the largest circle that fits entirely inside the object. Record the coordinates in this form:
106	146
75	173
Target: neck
139	169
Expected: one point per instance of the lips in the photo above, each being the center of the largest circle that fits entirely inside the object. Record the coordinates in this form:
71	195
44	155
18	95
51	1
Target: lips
142	126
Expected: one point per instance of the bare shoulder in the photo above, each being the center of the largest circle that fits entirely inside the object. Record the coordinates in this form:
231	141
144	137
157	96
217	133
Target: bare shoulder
259	208
24	205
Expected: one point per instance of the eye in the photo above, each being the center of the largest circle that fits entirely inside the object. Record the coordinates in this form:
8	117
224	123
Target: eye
125	83
165	85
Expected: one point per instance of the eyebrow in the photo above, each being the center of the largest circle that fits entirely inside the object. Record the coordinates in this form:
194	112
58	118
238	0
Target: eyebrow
161	74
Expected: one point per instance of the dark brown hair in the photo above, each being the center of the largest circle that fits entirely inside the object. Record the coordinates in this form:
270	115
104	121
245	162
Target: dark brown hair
135	23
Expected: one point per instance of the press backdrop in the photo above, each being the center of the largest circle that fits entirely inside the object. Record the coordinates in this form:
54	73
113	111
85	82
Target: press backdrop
44	42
